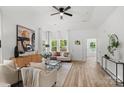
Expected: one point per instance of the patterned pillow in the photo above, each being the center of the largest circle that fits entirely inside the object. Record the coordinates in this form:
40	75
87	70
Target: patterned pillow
54	53
66	54
58	53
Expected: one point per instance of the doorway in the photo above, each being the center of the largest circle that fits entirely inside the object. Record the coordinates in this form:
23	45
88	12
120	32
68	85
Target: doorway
91	50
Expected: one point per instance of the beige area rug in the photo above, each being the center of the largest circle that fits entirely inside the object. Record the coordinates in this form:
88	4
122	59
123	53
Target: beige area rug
62	74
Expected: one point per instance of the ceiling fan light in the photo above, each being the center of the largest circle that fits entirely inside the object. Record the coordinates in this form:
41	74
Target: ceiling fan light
61	14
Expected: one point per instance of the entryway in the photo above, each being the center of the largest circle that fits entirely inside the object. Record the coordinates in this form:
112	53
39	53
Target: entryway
91	50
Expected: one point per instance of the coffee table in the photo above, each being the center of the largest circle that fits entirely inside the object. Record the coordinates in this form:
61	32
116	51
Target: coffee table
52	64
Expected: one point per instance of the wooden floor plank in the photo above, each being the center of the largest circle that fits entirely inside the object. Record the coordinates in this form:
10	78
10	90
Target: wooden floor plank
87	74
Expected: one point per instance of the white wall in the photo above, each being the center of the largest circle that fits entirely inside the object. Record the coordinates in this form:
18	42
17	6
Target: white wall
78	52
0	36
114	24
11	18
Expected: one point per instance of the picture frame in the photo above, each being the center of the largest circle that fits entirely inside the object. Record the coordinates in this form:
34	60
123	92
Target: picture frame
25	39
77	42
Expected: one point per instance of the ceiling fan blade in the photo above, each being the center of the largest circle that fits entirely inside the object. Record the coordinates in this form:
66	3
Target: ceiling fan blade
67	14
68	7
55	8
55	13
61	17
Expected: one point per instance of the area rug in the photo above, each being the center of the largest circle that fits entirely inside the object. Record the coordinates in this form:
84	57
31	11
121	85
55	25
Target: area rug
62	74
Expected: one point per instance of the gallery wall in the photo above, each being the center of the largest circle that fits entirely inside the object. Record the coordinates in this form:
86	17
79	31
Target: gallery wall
113	25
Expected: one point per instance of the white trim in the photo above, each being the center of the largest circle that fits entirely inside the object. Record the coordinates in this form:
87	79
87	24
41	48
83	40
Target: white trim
1	33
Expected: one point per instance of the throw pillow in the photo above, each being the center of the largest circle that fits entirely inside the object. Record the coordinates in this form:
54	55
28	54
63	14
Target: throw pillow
54	53
66	54
58	53
53	58
9	63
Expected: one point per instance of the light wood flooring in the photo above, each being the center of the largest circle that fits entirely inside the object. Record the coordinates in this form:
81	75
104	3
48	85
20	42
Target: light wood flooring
87	74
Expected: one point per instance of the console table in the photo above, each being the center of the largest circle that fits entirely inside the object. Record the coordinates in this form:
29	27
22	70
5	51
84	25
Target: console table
116	69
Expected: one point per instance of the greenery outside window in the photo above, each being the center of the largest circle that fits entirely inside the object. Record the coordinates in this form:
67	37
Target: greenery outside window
63	45
54	45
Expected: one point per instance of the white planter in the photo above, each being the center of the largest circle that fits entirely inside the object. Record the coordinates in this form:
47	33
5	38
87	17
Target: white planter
117	54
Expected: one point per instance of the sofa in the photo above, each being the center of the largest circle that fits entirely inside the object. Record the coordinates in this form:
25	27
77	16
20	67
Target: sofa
9	69
8	73
61	56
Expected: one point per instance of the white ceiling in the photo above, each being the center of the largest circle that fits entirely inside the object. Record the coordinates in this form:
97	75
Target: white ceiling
84	17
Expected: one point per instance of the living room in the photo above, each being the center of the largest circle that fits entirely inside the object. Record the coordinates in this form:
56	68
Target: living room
64	40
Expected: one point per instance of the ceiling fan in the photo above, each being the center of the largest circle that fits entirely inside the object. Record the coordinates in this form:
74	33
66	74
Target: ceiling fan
62	11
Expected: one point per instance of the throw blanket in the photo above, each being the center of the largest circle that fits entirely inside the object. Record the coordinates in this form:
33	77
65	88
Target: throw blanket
30	76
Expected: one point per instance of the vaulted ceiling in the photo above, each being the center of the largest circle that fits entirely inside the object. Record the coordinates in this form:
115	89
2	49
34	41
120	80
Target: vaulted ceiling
84	17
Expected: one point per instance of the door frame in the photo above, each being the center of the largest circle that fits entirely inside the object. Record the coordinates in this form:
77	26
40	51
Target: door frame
86	48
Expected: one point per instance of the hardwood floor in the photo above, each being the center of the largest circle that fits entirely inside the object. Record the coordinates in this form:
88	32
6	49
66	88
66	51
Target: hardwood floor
87	74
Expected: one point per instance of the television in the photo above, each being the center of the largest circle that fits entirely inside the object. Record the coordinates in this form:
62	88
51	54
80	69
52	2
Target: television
25	39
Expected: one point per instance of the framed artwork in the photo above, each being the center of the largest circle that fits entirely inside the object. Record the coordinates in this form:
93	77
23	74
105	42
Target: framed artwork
25	39
77	42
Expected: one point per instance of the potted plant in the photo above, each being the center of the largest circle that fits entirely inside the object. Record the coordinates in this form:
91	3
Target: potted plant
46	55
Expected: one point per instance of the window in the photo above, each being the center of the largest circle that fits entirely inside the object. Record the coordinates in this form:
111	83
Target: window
54	45
63	45
58	45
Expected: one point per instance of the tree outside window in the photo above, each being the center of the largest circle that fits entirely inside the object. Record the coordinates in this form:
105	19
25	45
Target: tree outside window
63	45
93	46
54	45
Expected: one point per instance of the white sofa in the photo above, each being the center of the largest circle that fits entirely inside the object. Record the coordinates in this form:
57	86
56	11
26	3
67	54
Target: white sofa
8	73
44	79
61	56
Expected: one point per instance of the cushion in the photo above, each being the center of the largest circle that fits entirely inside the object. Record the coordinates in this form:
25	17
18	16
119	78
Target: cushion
58	53
10	63
66	54
54	53
53	58
38	65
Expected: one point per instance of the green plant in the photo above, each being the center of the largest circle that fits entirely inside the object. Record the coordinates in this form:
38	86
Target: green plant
113	43
93	45
46	54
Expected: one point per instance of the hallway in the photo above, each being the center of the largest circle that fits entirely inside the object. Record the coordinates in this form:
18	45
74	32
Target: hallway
88	74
